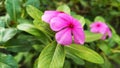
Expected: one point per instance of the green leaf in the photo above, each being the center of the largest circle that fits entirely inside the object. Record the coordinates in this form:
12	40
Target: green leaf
90	37
19	57
5	20
44	27
84	53
38	47
34	12
107	63
35	3
35	63
88	22
2	24
64	8
22	44
91	65
76	59
115	57
116	38
104	47
67	64
81	19
7	61
13	8
112	29
29	28
6	34
52	56
20	21
99	19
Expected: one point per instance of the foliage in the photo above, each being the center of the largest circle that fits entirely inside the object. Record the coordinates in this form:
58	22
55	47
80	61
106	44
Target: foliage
28	42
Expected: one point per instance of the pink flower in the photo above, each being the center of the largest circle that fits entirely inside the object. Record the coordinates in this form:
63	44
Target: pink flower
48	15
66	27
99	27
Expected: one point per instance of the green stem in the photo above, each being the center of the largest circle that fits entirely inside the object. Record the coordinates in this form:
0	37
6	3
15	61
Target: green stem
116	51
3	47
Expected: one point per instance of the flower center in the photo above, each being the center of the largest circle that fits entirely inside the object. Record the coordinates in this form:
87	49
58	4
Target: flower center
61	11
71	25
98	25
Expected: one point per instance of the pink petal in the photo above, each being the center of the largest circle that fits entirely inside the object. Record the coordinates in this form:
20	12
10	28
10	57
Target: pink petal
70	19
98	23
64	37
104	36
98	27
76	23
94	30
109	33
102	30
48	15
58	23
79	37
66	17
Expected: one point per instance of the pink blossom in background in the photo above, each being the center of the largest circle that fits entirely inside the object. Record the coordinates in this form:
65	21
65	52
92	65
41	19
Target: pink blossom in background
66	27
99	27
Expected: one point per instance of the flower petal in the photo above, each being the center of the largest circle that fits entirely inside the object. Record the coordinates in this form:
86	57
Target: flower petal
94	30
48	15
79	37
70	19
66	17
104	36
95	24
64	37
98	27
58	23
109	33
77	24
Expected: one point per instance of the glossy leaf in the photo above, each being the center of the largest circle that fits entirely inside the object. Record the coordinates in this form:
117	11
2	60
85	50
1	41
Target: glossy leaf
6	34
13	8
90	37
34	12
64	8
7	61
29	28
84	53
116	38
99	18
52	56
44	27
104	47
76	59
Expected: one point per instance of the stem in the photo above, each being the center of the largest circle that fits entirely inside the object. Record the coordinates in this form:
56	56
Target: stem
116	51
3	47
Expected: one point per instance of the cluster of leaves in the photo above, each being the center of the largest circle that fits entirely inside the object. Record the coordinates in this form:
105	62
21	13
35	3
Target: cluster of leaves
28	42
